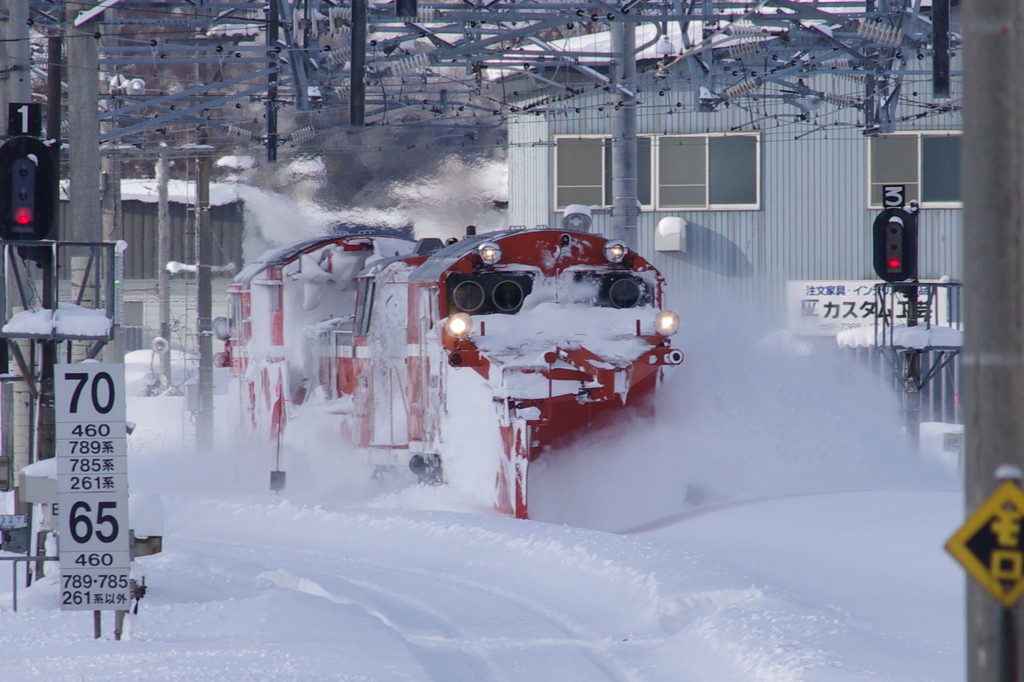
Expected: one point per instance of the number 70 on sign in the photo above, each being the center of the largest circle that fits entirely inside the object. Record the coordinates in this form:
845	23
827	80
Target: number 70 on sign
90	393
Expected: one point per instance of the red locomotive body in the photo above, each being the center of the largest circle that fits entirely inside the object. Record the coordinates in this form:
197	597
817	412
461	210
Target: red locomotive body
465	363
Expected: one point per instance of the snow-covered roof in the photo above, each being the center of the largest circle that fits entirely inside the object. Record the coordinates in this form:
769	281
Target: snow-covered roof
178	192
282	255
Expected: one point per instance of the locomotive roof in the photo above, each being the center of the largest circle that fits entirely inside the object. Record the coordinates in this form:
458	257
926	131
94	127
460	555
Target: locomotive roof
441	260
289	252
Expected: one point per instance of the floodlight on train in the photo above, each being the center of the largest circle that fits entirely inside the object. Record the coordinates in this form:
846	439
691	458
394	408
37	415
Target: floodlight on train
459	325
615	250
666	323
490	253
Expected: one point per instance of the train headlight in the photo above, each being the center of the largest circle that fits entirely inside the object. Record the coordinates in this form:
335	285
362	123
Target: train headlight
615	250
459	325
666	323
490	253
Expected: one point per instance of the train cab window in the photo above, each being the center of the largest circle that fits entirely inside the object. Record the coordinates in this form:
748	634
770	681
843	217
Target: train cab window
235	312
488	293
508	296
468	296
617	289
364	305
624	293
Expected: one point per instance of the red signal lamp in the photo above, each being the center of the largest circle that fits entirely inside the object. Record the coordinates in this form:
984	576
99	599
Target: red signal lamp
23	215
894	263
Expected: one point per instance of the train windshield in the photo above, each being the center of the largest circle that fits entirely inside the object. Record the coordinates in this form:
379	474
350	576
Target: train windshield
612	289
488	293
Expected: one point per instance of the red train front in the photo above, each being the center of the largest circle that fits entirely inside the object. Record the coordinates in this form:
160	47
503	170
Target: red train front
464	363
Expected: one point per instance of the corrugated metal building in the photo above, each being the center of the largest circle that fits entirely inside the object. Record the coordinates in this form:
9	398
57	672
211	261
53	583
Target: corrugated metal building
808	216
778	201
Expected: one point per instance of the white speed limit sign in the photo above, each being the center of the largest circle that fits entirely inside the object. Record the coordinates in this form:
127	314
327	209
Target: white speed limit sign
92	486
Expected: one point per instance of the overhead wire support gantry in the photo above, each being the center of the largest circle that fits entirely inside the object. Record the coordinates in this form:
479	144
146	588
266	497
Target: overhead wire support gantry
295	57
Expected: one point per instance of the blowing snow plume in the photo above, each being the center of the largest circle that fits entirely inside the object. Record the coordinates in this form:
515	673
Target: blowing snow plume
738	420
455	193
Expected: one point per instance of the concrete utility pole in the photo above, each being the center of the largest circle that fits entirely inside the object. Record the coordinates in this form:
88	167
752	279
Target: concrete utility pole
993	362
17	57
163	256
112	225
625	207
54	93
83	127
204	295
204	302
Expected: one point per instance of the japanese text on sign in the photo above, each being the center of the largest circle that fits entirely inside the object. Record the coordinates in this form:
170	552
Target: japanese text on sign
989	544
92	486
825	308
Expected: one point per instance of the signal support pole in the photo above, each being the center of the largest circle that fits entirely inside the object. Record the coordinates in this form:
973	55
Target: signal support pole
993	220
912	373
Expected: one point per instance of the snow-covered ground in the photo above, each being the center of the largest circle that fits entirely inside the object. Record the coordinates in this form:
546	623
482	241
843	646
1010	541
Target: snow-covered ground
769	525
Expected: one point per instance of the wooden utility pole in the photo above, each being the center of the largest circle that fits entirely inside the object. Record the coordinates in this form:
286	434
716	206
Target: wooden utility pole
993	362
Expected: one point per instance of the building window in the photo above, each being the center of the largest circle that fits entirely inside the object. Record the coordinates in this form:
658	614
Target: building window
708	171
583	171
926	164
579	172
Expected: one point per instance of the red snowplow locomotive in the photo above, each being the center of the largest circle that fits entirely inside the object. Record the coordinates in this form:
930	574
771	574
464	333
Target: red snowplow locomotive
464	363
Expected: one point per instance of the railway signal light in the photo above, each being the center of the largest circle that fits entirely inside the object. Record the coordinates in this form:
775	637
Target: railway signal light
28	189
895	245
23	194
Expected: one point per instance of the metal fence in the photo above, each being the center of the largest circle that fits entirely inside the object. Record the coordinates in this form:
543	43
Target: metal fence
940	396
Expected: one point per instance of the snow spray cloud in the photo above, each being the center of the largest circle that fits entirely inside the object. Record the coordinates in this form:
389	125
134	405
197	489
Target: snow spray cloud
739	420
273	220
457	192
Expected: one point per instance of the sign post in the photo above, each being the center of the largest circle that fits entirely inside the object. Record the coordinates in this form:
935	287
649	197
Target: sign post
92	487
989	545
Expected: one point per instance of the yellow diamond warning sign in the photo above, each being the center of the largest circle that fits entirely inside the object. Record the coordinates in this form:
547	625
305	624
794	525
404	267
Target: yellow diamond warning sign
990	544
